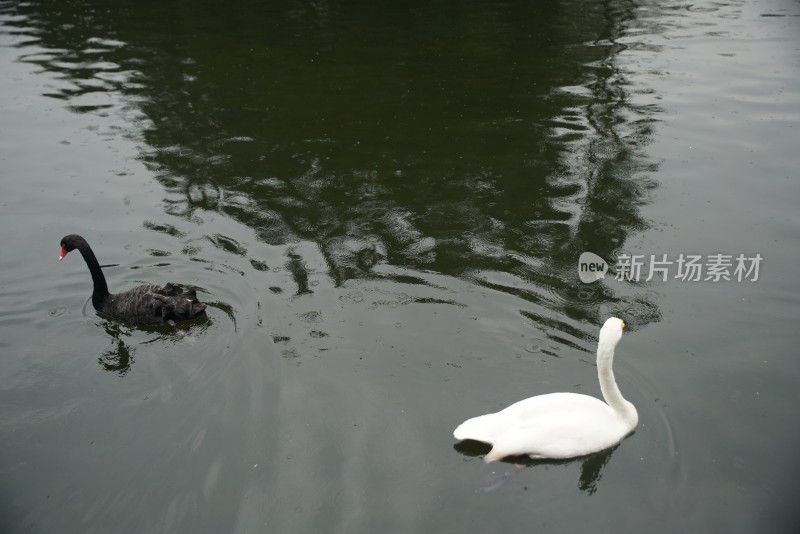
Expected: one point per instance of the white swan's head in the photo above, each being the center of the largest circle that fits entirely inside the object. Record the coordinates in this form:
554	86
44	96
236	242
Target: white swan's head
611	333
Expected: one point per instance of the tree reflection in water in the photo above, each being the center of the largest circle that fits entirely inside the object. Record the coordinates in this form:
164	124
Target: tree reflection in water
465	156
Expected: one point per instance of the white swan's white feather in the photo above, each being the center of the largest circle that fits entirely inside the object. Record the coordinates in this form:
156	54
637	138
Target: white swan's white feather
560	425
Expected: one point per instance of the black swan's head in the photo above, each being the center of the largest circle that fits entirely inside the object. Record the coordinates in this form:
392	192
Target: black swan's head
70	243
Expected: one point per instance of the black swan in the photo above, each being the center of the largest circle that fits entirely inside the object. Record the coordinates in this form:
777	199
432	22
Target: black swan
146	304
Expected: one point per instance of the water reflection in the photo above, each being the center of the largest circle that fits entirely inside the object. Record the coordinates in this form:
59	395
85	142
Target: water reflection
414	138
299	273
591	465
119	357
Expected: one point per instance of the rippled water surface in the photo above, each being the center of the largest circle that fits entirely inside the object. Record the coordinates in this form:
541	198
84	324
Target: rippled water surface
384	208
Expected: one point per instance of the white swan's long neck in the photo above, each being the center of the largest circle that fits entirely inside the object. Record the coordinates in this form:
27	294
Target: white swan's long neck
608	385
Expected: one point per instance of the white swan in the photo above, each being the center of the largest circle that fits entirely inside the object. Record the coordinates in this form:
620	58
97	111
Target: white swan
560	425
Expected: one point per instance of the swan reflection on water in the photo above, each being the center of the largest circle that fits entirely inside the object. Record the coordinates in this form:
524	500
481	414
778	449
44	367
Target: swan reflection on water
591	465
119	356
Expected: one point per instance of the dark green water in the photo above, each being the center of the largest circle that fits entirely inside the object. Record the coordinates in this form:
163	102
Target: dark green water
384	207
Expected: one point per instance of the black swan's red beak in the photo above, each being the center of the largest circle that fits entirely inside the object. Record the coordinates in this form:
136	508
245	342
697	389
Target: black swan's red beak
63	253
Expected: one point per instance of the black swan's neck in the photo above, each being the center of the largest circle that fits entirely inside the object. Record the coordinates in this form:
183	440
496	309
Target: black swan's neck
100	292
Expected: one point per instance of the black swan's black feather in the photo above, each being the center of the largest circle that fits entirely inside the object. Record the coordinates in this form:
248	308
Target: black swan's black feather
146	304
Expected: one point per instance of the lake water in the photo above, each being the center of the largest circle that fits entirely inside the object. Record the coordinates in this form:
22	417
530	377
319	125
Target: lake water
384	208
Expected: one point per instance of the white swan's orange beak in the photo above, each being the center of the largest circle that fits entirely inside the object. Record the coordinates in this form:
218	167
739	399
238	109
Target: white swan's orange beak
63	253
